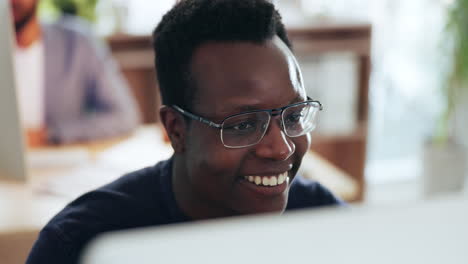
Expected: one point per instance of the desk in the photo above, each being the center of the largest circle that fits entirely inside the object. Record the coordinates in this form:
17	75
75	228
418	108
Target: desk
26	207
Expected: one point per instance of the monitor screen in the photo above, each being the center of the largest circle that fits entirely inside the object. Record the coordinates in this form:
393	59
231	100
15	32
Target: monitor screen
12	161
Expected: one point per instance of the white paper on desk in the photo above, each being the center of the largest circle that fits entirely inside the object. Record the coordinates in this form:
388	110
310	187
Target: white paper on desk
75	182
144	149
56	157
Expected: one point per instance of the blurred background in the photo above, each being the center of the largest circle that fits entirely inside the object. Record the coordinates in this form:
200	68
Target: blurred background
411	54
392	76
381	68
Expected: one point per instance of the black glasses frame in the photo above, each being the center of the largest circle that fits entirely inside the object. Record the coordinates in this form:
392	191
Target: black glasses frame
271	112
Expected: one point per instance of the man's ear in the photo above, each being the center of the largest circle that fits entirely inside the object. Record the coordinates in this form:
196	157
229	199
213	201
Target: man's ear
175	127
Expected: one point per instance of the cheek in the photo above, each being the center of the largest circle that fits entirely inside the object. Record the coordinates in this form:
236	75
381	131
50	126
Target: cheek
302	144
213	169
211	162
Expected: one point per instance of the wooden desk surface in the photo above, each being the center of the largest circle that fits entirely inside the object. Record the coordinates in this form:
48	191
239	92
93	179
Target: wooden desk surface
54	183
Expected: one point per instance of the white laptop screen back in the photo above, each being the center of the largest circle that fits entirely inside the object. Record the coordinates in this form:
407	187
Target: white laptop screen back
12	161
424	232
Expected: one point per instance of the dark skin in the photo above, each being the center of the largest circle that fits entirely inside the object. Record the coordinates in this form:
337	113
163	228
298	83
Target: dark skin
233	78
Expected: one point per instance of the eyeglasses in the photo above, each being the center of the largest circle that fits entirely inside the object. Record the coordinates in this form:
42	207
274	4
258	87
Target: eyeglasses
248	128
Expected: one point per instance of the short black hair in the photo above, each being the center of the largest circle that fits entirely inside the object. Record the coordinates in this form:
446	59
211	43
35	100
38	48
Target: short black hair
191	23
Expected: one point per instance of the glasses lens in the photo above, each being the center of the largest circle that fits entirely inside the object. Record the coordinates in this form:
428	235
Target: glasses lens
300	119
245	129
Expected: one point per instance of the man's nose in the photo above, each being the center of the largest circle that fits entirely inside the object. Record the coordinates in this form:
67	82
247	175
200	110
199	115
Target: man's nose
275	144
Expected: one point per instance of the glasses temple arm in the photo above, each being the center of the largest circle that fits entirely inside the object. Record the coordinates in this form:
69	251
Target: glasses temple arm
195	117
315	101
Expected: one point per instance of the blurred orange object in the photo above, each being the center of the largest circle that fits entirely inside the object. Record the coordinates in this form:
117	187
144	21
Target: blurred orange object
36	137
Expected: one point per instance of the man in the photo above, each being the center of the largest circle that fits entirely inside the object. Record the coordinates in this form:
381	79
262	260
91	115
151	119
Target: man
237	116
69	87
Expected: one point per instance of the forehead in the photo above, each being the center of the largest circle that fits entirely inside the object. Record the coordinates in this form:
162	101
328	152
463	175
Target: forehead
240	76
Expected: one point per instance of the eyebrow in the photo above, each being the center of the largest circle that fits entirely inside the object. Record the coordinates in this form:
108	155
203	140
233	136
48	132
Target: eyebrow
246	108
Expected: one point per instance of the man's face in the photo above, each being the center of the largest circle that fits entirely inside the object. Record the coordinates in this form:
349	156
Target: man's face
232	78
23	10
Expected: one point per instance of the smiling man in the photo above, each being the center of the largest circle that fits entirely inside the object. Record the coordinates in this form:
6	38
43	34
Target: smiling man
239	121
244	161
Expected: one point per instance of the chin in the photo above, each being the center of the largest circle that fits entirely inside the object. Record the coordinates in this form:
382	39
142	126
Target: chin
266	206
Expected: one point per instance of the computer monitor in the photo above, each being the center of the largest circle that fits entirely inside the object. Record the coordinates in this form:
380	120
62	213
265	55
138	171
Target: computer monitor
12	159
423	232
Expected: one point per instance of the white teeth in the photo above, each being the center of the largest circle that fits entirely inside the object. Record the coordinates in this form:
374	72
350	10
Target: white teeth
273	181
258	180
281	178
268	180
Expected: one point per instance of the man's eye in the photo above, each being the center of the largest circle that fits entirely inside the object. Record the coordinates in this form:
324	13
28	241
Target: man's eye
245	126
294	118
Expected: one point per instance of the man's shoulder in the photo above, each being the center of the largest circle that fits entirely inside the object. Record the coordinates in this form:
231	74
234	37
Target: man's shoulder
108	206
133	192
307	193
131	201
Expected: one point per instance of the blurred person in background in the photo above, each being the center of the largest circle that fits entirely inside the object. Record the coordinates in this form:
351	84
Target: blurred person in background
69	87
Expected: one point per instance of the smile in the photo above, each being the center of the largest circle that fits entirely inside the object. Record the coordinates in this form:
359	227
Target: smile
268	180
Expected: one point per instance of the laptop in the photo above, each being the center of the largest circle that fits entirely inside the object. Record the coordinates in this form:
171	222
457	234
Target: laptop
423	232
12	146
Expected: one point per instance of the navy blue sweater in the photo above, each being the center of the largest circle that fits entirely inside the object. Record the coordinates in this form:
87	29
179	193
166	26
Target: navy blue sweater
142	198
